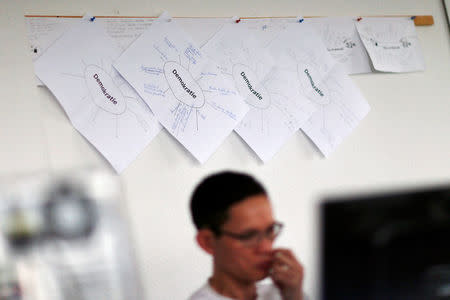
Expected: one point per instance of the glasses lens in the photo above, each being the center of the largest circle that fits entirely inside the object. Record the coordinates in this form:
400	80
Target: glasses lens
254	238
271	233
274	231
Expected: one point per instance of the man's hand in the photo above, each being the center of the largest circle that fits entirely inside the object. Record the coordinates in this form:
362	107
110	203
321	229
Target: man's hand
287	274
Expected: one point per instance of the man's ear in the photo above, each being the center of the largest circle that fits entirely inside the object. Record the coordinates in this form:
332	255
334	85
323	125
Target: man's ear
205	239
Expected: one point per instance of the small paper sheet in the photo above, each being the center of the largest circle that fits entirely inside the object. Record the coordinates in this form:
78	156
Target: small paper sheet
342	41
392	44
101	105
186	91
266	29
340	105
276	107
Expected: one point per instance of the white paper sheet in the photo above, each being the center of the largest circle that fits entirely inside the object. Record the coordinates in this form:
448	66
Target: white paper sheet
190	97
392	44
276	107
341	38
201	29
43	31
77	68
267	29
340	105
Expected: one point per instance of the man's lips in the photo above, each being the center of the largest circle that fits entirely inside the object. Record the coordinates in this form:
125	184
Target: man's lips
265	265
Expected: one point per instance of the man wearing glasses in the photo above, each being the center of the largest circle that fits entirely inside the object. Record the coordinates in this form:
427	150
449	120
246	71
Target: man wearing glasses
233	216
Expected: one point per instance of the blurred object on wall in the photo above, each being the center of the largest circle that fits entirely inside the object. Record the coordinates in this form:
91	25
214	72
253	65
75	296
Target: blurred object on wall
9	283
65	237
393	245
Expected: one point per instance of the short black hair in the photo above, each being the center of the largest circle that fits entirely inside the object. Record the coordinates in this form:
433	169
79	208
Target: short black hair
215	194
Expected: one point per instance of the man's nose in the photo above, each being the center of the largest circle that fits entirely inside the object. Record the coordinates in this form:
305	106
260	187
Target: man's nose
265	245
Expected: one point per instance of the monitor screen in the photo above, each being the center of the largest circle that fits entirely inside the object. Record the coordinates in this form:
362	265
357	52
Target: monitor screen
387	246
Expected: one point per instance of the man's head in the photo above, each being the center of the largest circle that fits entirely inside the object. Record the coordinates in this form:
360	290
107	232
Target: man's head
216	194
235	224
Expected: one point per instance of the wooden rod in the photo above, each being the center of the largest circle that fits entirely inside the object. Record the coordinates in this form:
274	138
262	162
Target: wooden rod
424	20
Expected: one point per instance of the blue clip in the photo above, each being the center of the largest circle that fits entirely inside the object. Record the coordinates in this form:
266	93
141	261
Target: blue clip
413	17
301	20
92	19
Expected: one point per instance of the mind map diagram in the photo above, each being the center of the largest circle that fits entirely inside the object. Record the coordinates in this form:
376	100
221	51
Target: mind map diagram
101	105
341	39
389	46
110	98
276	111
339	44
189	86
328	87
392	45
184	88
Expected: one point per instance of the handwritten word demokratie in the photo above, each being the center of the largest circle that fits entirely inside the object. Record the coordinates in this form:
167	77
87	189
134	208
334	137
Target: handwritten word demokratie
108	96
250	86
192	93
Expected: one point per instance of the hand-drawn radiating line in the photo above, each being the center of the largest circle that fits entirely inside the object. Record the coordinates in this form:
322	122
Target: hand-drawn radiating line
97	109
322	108
262	120
286	115
196	116
94	115
142	122
117	126
73	75
176	108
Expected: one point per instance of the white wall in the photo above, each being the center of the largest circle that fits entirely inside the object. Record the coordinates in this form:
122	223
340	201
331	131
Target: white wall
404	141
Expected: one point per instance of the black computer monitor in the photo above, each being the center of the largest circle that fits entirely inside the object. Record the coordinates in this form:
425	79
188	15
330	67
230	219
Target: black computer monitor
386	246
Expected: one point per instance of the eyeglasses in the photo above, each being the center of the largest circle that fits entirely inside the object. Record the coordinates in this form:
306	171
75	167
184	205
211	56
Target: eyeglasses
253	238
